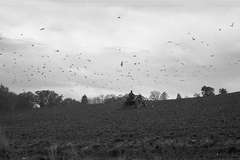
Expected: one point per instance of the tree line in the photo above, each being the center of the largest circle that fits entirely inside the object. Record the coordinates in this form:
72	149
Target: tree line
206	91
46	98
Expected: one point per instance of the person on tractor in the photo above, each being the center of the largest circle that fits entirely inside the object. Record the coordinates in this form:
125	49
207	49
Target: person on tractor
131	97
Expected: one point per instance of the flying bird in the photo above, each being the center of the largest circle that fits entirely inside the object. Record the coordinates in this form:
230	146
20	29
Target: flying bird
231	25
121	64
42	29
194	39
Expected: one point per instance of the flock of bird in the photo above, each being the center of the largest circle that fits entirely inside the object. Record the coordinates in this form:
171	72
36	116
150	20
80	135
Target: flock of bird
72	68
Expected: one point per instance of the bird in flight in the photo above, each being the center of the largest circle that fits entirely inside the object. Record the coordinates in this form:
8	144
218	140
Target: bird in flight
121	64
42	29
231	25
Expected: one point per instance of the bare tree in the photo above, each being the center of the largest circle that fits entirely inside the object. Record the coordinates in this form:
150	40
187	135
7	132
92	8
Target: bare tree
155	95
96	100
164	96
101	98
197	95
109	98
186	97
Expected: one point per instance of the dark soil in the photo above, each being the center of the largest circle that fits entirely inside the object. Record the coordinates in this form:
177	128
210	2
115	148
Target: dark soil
194	128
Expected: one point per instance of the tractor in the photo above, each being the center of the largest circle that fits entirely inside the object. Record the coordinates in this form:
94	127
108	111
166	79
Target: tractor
136	102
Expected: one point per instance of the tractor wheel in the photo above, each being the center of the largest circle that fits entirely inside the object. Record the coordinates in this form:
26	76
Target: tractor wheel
138	102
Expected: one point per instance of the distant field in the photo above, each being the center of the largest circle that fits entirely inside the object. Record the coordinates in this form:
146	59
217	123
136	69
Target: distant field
185	129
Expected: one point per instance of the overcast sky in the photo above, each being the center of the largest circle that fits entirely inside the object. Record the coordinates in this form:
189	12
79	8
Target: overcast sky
76	47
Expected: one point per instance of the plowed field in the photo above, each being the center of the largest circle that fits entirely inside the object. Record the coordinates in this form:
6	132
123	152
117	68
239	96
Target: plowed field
194	128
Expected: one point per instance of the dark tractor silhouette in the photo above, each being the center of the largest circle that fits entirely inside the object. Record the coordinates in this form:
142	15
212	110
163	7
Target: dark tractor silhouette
136	101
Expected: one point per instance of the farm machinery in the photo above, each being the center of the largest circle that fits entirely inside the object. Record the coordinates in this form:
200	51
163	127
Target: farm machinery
135	101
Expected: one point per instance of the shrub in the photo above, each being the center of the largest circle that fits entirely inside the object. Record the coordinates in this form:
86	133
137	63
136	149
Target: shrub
222	91
25	100
8	100
179	96
3	139
84	99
